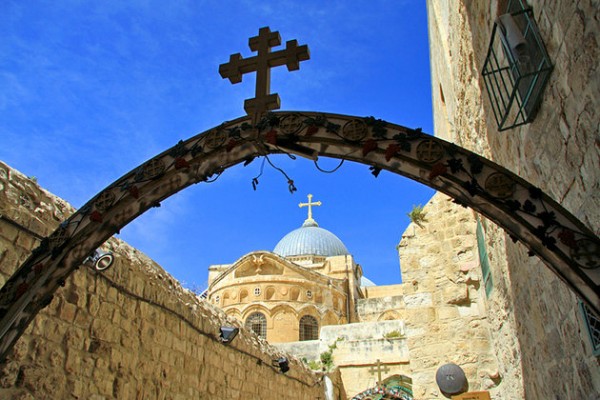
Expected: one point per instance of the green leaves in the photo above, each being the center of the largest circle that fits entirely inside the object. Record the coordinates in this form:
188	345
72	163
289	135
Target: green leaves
418	216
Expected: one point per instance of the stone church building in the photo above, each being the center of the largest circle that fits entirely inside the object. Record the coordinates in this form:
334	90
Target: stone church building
470	296
308	296
309	280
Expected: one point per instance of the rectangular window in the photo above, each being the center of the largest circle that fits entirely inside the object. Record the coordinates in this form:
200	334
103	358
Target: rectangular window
483	260
592	323
517	67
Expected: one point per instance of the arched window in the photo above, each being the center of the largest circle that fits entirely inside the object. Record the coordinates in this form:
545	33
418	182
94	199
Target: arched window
257	323
309	328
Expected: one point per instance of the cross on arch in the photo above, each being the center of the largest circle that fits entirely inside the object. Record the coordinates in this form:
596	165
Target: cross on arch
262	64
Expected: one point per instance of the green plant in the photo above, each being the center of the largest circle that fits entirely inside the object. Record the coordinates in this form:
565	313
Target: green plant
314	365
327	358
395	334
417	215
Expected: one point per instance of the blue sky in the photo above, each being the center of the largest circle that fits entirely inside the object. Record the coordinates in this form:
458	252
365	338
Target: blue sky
89	90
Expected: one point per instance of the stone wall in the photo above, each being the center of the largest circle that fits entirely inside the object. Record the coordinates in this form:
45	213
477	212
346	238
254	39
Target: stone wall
439	313
355	348
131	332
540	340
445	316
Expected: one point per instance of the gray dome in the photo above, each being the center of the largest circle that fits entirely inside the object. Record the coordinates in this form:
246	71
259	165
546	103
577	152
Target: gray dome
310	240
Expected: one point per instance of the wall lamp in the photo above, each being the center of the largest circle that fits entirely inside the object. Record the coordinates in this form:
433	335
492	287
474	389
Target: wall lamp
451	379
282	363
100	260
228	333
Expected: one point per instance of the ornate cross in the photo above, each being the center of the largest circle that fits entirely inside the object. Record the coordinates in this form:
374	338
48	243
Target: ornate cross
262	64
385	371
309	205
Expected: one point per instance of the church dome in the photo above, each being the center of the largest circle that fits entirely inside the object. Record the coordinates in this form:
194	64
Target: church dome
310	239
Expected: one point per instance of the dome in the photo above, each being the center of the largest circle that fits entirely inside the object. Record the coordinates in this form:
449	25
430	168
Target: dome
310	240
365	282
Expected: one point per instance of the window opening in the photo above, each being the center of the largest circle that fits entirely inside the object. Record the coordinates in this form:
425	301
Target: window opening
309	328
592	324
257	323
484	260
257	291
517	66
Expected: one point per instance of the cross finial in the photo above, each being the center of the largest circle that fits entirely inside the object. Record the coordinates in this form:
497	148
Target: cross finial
385	371
310	203
262	64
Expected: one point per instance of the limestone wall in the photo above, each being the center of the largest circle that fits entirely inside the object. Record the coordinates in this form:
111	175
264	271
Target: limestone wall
445	314
129	333
355	348
439	314
539	338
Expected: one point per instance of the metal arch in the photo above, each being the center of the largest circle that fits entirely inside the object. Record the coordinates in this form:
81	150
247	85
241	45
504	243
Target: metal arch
566	245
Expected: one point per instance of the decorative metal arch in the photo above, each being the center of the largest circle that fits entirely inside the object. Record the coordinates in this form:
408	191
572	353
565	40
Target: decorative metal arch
397	387
566	245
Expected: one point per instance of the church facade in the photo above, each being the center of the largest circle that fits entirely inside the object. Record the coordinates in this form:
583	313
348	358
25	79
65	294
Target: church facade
308	281
309	298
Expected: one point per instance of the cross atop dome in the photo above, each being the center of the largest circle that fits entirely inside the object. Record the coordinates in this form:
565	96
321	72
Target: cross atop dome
310	221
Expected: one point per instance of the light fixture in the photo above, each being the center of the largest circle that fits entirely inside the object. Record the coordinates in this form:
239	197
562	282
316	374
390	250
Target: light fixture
100	260
282	363
228	333
451	379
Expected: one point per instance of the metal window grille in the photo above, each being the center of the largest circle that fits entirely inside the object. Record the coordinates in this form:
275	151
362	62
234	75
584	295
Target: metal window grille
257	323
592	323
484	260
517	67
309	328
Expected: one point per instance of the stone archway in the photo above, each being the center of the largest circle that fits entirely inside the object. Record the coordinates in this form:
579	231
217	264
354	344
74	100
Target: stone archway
567	247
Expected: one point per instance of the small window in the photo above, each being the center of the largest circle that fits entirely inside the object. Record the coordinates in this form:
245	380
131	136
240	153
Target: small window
257	291
517	67
309	328
309	294
257	323
483	260
592	323
217	299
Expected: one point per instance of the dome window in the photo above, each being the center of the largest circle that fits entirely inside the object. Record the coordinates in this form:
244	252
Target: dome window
257	291
217	299
309	294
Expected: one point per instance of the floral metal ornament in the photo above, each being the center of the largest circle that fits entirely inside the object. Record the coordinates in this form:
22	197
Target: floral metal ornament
566	245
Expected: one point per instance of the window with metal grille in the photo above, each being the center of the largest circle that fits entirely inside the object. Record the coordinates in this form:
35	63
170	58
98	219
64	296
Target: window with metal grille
517	66
257	323
592	323
309	328
483	260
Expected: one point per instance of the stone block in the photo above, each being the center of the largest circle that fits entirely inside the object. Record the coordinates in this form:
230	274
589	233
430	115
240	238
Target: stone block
447	313
418	300
67	312
82	319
